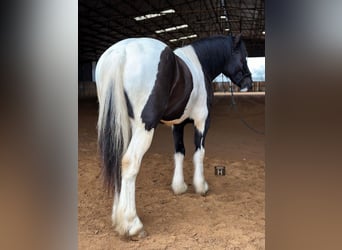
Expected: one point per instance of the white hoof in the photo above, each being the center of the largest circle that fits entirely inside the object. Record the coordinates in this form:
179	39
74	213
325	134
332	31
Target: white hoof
135	228
201	188
142	234
179	188
128	227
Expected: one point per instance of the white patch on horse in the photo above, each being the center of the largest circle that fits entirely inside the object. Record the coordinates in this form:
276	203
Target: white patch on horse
138	87
201	186
244	89
196	107
178	184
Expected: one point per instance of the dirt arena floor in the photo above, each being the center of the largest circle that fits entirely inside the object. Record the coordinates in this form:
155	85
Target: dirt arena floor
230	216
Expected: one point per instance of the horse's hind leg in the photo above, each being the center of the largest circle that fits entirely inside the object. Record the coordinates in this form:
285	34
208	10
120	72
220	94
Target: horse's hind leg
124	215
200	184
178	185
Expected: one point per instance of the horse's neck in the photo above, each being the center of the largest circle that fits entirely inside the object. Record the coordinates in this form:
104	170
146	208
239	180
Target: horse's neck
212	60
191	58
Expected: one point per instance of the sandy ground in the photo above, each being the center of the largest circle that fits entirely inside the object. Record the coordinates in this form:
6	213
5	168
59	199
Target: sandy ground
231	216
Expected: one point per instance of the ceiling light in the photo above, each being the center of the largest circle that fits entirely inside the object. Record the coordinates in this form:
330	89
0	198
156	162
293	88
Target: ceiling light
153	15
169	11
223	17
183	38
186	37
263	32
172	28
226	29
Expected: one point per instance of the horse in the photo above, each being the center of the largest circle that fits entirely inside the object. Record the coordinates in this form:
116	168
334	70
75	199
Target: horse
142	82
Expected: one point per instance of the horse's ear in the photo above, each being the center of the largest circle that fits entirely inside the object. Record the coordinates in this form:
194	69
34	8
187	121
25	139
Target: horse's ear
237	40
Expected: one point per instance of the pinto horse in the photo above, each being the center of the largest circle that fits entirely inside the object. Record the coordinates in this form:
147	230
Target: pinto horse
140	83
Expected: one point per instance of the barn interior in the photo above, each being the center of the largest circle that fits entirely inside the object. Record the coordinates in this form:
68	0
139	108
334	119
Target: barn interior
232	214
176	23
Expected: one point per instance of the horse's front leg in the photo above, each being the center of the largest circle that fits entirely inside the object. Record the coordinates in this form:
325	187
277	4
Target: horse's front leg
178	185
200	184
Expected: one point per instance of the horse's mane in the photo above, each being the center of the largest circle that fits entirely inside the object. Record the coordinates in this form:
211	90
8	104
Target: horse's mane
204	41
213	52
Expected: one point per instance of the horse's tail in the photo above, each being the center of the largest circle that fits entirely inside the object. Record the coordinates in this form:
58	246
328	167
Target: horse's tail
113	123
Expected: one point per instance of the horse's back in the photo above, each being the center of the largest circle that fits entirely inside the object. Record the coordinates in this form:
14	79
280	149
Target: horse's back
133	49
136	59
141	64
136	56
137	63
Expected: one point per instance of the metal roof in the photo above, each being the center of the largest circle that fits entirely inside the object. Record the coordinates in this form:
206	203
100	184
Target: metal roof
175	22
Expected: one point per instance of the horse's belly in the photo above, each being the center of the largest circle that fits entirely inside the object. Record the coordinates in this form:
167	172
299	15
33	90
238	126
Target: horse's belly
176	113
176	119
173	122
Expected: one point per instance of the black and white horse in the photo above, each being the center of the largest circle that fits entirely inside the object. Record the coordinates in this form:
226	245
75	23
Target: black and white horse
142	82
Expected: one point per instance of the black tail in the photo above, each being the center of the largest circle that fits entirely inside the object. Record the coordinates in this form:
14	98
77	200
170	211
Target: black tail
113	124
111	151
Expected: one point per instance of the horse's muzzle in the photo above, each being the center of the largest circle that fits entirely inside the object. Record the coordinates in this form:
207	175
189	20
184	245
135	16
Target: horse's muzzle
246	85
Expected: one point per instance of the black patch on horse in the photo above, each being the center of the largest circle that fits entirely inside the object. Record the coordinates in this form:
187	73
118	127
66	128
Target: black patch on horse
129	106
171	91
213	53
180	91
178	134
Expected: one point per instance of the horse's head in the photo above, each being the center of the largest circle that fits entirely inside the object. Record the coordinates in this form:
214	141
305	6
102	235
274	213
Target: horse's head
237	69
